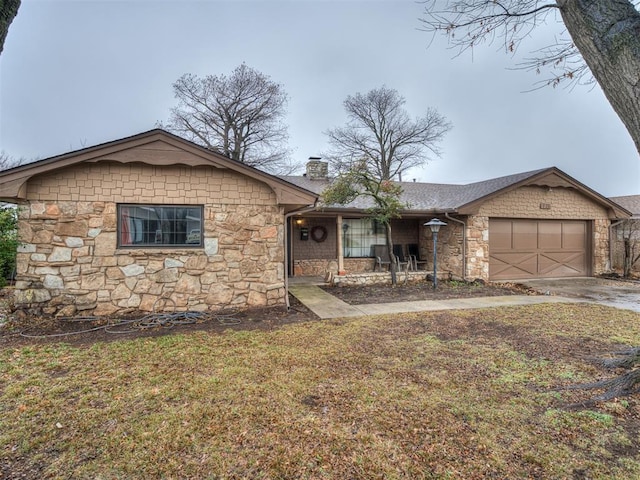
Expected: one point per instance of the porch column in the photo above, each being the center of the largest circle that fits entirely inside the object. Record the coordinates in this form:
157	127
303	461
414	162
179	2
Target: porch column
339	244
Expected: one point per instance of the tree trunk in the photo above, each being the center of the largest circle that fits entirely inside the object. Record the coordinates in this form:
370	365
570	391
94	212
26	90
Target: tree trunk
626	258
392	257
607	34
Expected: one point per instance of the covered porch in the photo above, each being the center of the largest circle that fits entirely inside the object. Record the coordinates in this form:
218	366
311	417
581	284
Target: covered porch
340	246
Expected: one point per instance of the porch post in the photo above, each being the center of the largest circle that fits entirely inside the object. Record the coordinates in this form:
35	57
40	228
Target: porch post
339	244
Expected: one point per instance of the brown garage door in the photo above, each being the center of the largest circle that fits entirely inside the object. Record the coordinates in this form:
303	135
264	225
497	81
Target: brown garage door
537	249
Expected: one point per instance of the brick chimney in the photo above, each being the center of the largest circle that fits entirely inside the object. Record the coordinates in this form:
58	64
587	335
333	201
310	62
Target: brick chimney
317	169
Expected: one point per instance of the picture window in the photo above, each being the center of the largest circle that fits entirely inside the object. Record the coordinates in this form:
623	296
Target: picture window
159	225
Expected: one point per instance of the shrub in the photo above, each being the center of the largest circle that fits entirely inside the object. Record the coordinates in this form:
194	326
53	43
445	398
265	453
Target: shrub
8	242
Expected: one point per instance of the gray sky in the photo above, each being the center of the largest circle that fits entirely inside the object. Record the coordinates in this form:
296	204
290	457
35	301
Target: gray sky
79	73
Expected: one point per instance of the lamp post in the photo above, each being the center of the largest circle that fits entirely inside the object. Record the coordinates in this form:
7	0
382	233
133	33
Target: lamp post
345	227
434	224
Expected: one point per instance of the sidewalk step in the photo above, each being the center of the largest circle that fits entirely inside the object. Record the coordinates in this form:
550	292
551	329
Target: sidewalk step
325	305
321	303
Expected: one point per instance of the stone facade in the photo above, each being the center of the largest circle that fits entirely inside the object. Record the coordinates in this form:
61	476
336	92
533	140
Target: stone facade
320	267
376	278
69	260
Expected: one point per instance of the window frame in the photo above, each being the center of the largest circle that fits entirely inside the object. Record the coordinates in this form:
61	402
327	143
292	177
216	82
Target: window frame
377	236
155	245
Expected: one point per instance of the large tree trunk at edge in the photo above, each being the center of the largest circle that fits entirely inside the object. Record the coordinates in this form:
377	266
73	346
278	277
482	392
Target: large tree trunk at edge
607	34
8	11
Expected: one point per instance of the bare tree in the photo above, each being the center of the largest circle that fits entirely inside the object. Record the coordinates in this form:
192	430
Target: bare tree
378	143
380	132
630	232
240	116
605	33
7	161
8	11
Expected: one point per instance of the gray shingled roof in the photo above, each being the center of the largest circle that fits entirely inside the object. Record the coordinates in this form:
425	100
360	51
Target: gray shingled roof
428	196
630	202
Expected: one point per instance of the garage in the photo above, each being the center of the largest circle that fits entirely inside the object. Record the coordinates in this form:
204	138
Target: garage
522	249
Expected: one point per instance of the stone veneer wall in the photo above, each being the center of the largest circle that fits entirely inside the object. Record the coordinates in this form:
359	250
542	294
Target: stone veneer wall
69	260
477	247
601	257
320	267
384	278
449	249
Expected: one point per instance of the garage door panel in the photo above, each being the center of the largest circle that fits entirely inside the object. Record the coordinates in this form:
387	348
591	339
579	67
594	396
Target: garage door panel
524	235
562	270
540	248
574	236
549	235
501	235
526	264
563	262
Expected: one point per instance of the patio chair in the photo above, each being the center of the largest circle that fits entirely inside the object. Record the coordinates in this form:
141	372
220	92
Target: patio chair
414	254
404	261
381	253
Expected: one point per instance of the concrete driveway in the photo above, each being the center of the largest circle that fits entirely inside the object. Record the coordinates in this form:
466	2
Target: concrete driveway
614	293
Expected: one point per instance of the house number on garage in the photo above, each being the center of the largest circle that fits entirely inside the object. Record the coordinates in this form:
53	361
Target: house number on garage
545	206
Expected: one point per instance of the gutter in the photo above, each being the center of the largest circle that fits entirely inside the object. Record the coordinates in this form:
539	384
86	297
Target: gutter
287	216
464	243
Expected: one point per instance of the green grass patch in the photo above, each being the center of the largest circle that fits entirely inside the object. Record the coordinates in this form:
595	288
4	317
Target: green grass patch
460	395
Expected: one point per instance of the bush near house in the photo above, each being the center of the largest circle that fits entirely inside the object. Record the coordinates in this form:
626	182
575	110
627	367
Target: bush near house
8	242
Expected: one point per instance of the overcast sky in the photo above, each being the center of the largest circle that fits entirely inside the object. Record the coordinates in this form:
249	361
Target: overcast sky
79	73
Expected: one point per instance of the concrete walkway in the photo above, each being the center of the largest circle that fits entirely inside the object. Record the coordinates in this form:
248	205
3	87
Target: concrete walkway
325	305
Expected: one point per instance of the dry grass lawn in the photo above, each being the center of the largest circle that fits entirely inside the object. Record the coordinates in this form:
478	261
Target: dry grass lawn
454	395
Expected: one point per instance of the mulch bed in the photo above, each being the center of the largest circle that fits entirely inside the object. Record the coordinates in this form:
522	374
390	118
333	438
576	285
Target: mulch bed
22	329
446	290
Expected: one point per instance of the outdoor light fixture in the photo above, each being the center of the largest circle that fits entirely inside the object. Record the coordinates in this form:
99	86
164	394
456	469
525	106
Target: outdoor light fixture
299	221
345	227
434	224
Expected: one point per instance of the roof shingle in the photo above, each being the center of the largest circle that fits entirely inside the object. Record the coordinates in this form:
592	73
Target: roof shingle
427	196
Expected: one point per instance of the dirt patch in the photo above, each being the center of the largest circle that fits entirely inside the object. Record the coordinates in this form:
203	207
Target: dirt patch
446	290
23	329
20	329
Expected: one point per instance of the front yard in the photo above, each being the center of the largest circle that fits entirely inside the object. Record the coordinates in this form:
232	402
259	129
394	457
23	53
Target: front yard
460	394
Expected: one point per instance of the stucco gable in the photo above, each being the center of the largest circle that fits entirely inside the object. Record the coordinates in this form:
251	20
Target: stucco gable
548	178
155	147
158	152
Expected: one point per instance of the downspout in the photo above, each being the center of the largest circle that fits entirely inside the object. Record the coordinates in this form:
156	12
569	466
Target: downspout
286	250
611	243
464	243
